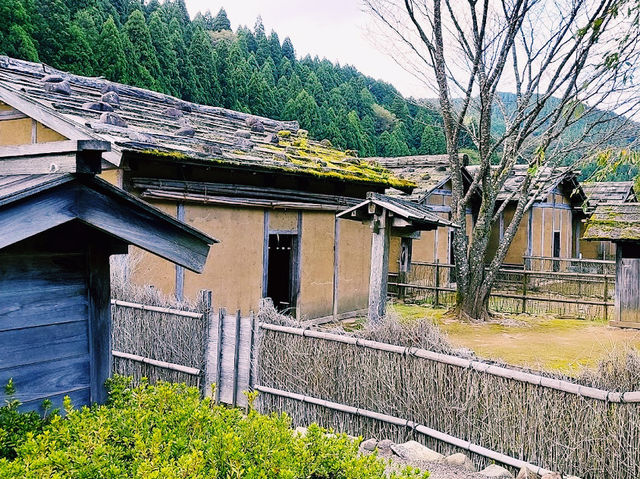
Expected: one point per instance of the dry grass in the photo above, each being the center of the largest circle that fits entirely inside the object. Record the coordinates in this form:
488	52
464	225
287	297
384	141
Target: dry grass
567	346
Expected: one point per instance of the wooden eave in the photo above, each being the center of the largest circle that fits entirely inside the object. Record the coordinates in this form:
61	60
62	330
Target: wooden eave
104	207
407	214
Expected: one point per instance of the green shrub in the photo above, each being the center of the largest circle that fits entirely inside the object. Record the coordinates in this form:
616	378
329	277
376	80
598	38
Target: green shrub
15	426
166	431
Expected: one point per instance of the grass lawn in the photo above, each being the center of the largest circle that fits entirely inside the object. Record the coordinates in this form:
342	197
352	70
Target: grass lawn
563	345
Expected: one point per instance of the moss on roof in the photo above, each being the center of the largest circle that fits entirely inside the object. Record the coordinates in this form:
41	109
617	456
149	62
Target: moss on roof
297	155
616	222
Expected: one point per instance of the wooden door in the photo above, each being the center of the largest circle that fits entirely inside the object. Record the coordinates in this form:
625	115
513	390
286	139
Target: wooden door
628	289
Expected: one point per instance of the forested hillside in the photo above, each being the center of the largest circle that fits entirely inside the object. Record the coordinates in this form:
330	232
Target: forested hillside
156	45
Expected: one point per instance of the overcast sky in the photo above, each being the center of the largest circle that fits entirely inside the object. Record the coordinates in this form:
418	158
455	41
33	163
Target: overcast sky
336	29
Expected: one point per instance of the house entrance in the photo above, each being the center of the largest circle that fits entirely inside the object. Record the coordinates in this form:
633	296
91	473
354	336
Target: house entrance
556	250
281	274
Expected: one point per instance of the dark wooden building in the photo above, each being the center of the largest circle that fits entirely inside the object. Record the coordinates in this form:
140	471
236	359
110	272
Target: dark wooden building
57	232
620	223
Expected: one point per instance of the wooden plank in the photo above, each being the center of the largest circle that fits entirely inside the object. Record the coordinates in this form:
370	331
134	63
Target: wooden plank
219	350
37	214
67	304
629	289
179	269
42	344
236	359
265	254
12	115
99	321
37	381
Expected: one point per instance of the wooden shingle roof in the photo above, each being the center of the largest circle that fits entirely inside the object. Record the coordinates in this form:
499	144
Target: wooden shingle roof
615	222
429	172
160	126
420	216
606	192
549	178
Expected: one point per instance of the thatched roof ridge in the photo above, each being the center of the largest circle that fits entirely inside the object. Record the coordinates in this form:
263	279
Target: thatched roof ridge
144	122
615	222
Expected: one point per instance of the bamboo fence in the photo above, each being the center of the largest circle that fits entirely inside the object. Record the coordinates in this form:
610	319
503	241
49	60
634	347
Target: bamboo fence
574	290
159	338
488	410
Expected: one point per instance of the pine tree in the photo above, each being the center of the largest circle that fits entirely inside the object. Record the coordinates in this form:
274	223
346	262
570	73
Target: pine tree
288	51
168	80
221	22
203	59
304	109
186	72
109	53
261	96
143	66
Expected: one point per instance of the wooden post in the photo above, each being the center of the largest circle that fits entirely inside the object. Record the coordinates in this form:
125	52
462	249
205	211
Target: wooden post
379	266
606	295
236	360
437	284
252	352
221	316
525	284
209	371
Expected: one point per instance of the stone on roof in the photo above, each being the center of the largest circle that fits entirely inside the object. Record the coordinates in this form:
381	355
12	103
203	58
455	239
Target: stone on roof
148	114
615	222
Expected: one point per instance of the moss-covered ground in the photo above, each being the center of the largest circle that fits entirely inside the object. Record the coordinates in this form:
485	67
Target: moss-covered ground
540	342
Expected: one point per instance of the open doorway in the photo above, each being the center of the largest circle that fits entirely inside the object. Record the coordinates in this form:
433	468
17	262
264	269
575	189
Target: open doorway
281	272
556	250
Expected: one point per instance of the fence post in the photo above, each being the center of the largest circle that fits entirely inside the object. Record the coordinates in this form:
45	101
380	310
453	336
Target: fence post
208	374
437	301
606	295
219	350
252	352
525	284
236	360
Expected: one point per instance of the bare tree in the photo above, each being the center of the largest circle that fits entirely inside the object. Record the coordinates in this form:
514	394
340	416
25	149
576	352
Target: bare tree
569	64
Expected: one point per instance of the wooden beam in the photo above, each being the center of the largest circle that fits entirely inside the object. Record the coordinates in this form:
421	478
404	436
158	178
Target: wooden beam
379	267
72	156
142	228
99	317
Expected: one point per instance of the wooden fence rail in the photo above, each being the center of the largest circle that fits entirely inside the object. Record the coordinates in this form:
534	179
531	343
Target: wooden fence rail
516	290
495	413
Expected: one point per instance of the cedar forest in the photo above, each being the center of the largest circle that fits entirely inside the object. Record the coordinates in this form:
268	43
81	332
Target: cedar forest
156	45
